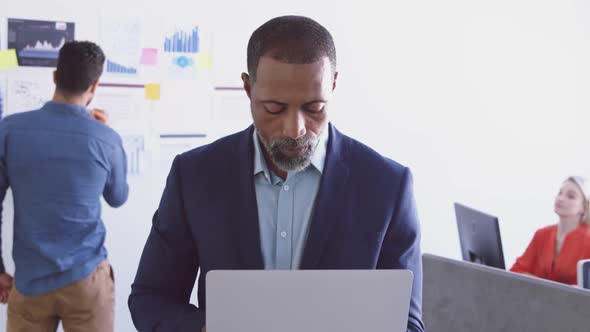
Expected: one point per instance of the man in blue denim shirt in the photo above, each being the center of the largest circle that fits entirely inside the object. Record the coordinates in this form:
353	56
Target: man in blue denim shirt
58	161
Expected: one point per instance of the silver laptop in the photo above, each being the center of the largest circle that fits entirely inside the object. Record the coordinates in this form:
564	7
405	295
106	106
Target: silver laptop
308	300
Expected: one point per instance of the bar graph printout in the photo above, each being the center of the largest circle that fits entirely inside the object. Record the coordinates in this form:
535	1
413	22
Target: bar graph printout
121	41
180	40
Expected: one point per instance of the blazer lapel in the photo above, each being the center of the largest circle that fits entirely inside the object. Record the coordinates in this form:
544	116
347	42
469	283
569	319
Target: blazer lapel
330	197
246	213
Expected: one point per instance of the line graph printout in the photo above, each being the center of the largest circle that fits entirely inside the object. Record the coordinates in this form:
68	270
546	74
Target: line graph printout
37	43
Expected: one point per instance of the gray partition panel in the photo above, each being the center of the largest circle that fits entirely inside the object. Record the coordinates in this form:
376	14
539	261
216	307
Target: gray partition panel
466	297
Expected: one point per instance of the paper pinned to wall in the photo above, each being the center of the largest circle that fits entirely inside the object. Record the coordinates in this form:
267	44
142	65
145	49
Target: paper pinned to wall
184	109
38	42
8	59
129	115
183	39
121	41
134	145
187	49
127	109
231	111
173	145
27	94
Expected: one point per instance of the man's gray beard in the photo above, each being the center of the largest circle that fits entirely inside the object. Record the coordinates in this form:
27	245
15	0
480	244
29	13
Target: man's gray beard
283	162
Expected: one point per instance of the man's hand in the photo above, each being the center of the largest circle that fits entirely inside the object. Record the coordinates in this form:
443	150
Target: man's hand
203	329
100	115
6	282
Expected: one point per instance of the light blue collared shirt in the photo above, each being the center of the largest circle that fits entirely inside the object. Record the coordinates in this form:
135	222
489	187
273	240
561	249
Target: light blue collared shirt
285	207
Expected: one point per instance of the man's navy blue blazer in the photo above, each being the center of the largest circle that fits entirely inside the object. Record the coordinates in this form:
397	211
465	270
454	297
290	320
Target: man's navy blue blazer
364	218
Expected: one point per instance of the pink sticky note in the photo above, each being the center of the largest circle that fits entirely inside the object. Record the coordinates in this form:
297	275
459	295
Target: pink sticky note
149	56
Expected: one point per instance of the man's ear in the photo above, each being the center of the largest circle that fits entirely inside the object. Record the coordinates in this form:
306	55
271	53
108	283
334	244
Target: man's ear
92	88
246	83
334	81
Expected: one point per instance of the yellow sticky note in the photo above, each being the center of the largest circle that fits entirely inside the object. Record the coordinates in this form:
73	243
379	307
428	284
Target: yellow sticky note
8	59
152	91
203	61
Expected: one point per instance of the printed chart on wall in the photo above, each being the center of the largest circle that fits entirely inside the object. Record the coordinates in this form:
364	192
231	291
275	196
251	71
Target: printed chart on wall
231	111
134	145
187	50
173	145
38	42
26	93
185	106
121	41
129	115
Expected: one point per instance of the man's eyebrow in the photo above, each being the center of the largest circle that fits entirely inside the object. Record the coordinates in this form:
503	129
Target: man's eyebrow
315	101
273	101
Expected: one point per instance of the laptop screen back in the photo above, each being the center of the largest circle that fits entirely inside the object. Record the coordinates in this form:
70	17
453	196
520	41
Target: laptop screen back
308	300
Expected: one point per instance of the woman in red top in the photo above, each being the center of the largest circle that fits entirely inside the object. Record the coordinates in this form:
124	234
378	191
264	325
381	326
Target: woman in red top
555	250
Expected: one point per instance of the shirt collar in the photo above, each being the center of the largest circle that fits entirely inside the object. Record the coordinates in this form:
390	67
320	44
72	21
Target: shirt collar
319	155
259	162
318	158
76	109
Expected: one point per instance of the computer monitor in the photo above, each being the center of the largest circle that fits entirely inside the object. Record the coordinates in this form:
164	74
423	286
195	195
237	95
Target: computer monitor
584	273
479	236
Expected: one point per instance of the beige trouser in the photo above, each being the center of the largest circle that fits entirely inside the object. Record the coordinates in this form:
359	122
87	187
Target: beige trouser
87	305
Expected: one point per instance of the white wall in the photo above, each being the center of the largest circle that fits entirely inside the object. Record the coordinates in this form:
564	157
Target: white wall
486	101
